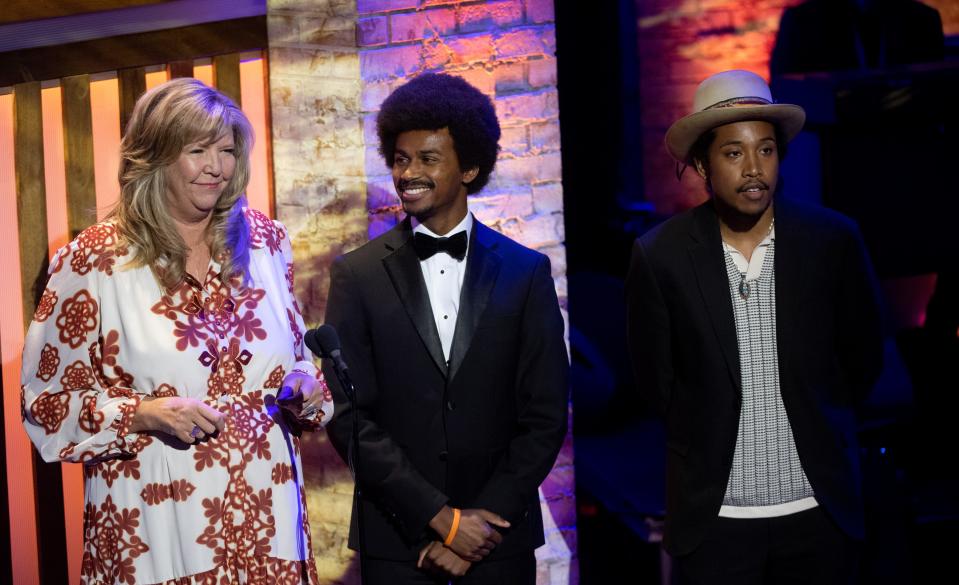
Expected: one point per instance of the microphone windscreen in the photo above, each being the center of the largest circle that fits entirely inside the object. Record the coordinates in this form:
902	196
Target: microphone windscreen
328	339
312	342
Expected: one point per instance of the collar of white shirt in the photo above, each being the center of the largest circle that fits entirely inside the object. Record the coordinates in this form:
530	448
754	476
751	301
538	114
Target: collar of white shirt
752	267
466	224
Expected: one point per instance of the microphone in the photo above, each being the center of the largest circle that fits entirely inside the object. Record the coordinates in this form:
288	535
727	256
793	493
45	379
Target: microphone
324	342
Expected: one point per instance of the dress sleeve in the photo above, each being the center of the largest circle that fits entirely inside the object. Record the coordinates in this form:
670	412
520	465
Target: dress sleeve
71	409
302	354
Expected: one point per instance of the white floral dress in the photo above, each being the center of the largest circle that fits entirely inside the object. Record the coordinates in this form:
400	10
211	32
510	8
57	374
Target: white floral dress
230	509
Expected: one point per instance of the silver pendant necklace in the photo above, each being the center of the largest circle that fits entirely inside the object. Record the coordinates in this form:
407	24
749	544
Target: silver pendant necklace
743	287
743	284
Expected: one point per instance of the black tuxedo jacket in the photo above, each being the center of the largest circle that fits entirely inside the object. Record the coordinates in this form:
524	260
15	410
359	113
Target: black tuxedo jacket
682	338
480	432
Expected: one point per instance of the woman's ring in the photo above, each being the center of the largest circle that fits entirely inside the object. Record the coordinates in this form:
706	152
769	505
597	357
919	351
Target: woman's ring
196	431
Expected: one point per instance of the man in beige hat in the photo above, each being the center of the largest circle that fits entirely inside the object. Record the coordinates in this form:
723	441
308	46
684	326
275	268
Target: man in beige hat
754	325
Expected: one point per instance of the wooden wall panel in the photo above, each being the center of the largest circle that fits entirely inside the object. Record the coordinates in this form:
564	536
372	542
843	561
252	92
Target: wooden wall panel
226	75
31	194
133	84
78	152
17	10
136	50
180	68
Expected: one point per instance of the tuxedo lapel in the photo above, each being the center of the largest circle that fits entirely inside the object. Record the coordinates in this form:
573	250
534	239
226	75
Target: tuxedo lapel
404	270
482	268
705	252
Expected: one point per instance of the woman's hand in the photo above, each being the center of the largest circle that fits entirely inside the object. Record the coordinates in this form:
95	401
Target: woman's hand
303	396
187	419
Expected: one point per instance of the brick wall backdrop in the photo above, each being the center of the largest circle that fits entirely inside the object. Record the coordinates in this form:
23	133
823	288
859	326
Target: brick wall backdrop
332	62
320	195
681	42
949	11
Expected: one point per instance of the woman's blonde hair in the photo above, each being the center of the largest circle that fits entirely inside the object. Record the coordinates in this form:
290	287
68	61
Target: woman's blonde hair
165	120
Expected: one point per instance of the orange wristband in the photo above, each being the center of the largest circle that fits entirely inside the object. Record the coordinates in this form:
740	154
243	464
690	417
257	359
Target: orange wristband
453	528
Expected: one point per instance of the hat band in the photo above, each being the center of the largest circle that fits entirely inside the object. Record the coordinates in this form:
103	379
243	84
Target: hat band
753	100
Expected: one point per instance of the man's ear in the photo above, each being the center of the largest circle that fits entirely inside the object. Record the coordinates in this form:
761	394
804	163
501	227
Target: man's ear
469	175
700	168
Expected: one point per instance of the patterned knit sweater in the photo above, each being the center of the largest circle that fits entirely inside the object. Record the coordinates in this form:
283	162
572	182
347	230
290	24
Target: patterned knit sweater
766	469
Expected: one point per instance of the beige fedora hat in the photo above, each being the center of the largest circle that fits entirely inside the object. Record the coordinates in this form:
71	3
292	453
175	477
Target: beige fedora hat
727	97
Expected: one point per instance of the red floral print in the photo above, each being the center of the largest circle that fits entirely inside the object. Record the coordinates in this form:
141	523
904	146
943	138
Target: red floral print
103	354
111	543
282	473
178	491
111	469
57	263
98	247
78	317
49	410
264	232
297	334
249	327
91	418
165	390
46	305
77	376
276	378
49	362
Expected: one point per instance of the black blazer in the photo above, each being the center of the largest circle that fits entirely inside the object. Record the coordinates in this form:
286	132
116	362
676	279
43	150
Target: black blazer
481	432
682	339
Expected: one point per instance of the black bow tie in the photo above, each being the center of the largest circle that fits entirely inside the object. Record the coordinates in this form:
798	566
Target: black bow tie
426	246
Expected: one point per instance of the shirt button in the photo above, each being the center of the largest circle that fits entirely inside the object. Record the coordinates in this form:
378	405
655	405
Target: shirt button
442	272
450	405
446	316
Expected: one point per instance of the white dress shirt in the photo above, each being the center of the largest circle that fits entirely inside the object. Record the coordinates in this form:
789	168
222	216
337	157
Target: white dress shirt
444	280
754	266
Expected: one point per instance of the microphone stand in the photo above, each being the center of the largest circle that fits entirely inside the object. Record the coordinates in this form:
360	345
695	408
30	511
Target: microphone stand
354	459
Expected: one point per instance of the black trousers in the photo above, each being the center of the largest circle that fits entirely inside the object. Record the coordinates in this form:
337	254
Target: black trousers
516	569
802	548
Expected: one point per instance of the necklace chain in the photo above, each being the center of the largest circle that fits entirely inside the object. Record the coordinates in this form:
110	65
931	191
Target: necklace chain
744	287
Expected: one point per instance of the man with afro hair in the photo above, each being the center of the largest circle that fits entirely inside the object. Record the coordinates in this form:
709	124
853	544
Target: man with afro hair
454	337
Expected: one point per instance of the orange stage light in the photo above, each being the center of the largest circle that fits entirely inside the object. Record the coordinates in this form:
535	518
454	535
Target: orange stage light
105	104
19	471
253	95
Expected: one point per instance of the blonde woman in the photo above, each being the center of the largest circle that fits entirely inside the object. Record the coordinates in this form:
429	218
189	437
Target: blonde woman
156	356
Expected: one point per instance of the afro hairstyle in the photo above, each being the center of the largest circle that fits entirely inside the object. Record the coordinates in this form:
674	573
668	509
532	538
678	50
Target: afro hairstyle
433	101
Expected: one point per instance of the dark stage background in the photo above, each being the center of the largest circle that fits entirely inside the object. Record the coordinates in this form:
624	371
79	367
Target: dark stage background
879	145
